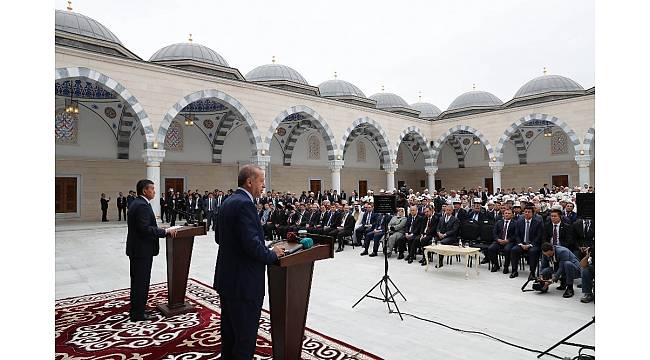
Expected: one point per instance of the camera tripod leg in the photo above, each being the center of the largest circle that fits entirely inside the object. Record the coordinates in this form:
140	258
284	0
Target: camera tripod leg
396	288
368	293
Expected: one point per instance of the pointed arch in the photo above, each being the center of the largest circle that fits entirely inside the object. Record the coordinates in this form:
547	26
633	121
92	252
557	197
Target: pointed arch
440	141
313	119
498	151
235	107
520	146
106	81
422	141
387	154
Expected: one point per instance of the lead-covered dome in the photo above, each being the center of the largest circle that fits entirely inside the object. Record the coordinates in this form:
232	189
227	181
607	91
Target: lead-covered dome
335	88
473	99
189	51
426	110
389	100
275	72
79	24
547	83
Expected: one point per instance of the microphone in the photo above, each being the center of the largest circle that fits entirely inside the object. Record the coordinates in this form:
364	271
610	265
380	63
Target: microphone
306	244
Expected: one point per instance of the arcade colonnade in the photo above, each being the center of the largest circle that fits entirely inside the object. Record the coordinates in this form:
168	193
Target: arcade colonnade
297	138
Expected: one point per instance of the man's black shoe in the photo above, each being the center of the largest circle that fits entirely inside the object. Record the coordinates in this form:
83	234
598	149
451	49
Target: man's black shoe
568	293
506	270
410	260
365	252
145	317
495	268
372	254
587	298
514	274
485	261
400	256
562	287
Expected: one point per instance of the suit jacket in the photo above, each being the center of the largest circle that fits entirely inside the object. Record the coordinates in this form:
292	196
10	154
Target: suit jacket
143	233
449	229
373	218
121	202
561	254
348	225
460	214
206	204
535	231
413	225
570	217
580	237
334	220
432	228
381	222
242	256
104	203
314	217
564	235
511	236
482	216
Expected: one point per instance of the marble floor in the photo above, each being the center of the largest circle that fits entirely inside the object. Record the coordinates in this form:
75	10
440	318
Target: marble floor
90	258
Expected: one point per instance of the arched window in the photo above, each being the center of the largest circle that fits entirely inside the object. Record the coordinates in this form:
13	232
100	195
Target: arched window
174	137
66	128
559	143
314	147
361	151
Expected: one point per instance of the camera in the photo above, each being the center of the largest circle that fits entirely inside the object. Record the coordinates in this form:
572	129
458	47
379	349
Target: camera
539	286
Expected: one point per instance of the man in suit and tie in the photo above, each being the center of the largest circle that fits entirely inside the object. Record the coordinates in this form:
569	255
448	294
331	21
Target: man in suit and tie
241	264
104	204
505	233
459	213
545	190
477	214
429	231
448	227
412	231
570	216
482	195
529	241
583	235
344	227
210	209
121	206
141	246
377	231
367	221
343	195
558	232
566	267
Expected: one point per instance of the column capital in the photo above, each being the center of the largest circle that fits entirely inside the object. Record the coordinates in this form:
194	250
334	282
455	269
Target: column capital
496	165
583	160
260	160
153	157
390	168
431	170
335	165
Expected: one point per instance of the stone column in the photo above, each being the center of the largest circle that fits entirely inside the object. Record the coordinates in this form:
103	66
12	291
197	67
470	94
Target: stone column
263	162
496	167
335	166
153	158
431	177
583	169
390	176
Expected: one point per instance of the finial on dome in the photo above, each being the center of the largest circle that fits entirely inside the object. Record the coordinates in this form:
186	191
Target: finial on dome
420	96
473	86
335	74
273	59
69	5
545	71
190	39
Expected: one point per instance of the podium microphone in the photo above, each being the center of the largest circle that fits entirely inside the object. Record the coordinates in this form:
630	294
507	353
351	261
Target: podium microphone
306	244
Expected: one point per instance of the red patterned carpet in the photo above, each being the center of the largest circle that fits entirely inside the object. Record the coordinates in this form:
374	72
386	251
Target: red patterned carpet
97	327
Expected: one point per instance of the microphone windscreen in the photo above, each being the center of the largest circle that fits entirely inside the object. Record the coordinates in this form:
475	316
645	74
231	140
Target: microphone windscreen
307	243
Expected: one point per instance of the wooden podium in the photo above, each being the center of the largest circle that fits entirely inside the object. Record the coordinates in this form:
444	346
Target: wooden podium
289	288
179	255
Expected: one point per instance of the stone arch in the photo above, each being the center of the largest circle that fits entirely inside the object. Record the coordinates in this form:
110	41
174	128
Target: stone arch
314	119
520	146
588	142
387	155
140	113
439	142
422	141
458	149
226	124
498	151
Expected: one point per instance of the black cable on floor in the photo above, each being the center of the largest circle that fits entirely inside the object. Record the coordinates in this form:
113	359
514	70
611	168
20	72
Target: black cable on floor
478	333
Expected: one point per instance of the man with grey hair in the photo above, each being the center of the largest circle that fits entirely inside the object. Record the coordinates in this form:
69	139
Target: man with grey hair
241	262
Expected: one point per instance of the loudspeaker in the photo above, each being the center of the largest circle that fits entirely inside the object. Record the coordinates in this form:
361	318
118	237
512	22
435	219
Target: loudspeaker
586	204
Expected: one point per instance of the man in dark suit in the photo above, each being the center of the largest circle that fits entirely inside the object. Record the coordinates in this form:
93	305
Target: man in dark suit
344	196
171	207
448	227
529	241
583	233
412	231
544	190
141	246
367	220
210	209
477	214
241	263
482	195
343	228
505	233
104	204
566	267
459	213
377	230
558	232
164	215
121	207
429	231
570	216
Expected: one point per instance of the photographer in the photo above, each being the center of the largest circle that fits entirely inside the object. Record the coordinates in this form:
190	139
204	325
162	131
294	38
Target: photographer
396	227
565	265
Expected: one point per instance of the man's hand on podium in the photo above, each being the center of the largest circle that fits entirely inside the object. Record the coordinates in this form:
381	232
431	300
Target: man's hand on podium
171	232
278	251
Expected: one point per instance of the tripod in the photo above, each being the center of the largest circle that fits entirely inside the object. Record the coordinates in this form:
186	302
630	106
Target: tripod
388	296
565	342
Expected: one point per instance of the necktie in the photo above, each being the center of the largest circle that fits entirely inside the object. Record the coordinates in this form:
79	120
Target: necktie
475	216
505	230
427	227
344	217
329	221
446	219
368	219
586	226
209	204
526	233
554	234
411	226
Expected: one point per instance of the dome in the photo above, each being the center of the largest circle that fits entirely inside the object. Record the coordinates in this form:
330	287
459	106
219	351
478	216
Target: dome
76	23
339	88
426	110
271	72
547	83
388	100
189	51
475	99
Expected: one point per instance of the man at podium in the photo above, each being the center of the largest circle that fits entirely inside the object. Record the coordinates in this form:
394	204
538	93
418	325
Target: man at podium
241	262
